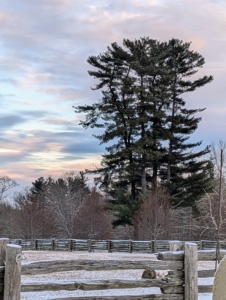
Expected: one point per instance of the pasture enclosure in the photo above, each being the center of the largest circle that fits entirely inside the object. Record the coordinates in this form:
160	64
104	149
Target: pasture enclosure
180	282
151	246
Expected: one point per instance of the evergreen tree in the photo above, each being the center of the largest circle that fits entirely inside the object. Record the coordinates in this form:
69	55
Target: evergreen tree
144	118
128	109
38	186
185	170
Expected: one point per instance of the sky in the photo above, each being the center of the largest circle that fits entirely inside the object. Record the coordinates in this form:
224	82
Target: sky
44	46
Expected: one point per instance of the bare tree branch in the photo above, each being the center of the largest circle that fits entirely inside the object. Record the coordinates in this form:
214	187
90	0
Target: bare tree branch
6	183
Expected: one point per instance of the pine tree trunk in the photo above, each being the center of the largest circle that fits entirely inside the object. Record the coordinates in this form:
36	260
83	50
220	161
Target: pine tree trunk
154	179
144	181
169	163
171	142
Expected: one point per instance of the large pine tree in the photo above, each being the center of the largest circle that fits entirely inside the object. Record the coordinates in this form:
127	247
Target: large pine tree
186	171
145	122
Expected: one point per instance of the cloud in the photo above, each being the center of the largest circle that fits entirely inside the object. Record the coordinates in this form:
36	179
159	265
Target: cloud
3	96
10	121
32	144
44	49
8	80
33	113
19	117
11	156
61	122
85	147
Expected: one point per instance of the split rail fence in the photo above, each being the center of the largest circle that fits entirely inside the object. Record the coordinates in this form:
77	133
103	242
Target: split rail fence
130	246
181	281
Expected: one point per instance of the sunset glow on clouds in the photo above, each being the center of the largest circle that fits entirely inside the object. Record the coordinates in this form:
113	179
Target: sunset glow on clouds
43	72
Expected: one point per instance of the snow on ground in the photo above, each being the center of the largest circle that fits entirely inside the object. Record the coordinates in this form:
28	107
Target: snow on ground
72	275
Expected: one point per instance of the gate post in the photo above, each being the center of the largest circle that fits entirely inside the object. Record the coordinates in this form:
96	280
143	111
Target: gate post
12	281
3	243
190	271
176	245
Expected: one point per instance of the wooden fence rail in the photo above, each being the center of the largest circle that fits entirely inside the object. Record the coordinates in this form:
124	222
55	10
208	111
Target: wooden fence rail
181	281
130	246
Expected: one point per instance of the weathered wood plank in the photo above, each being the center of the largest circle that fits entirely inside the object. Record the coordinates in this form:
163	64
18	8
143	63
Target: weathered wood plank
171	256
87	285
206	273
142	246
45	267
12	273
205	288
208	255
191	271
162	245
175	274
2	271
173	290
127	297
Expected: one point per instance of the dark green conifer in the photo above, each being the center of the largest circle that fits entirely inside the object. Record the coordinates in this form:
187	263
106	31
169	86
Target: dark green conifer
185	168
145	123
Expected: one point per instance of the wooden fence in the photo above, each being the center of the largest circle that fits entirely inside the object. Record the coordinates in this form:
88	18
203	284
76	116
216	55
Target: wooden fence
181	282
106	245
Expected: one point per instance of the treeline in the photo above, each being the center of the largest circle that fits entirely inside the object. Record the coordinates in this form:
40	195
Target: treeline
68	208
63	208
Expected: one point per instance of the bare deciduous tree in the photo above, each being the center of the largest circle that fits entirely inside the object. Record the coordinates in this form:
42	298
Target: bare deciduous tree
33	218
212	207
6	183
65	197
154	215
93	221
7	218
6	211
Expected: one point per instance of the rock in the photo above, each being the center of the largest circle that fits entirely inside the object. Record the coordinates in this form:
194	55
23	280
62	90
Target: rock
149	274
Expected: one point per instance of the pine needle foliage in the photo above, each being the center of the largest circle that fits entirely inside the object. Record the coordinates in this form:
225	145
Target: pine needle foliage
144	122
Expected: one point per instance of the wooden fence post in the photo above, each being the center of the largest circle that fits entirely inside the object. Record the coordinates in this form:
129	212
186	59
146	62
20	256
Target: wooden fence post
130	246
70	245
153	246
109	246
3	243
12	281
36	244
191	271
89	242
176	245
53	244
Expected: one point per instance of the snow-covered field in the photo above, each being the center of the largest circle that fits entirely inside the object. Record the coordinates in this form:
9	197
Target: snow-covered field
120	274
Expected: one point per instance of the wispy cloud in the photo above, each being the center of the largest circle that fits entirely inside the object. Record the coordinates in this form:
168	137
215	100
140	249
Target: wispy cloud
44	49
